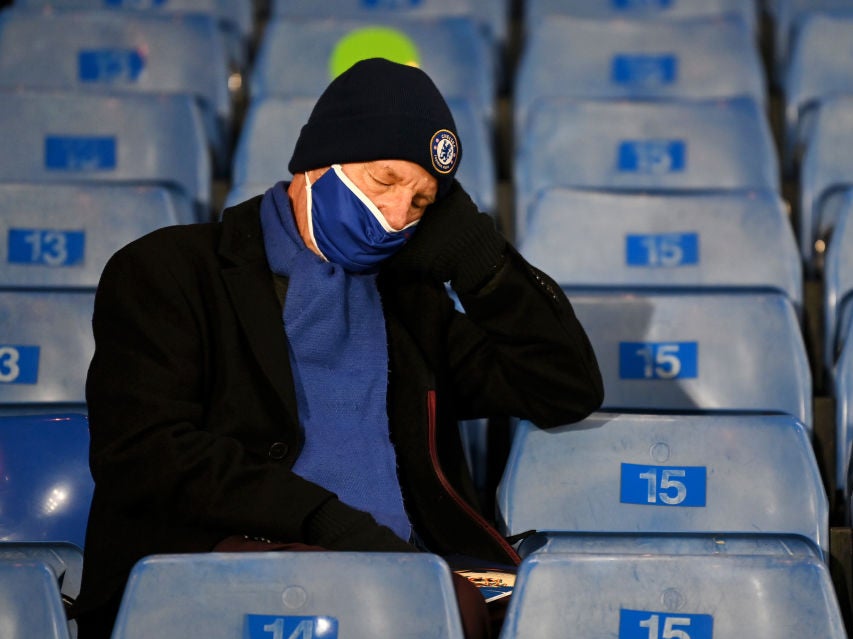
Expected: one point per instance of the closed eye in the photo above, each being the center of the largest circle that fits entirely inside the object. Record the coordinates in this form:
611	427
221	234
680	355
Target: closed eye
377	180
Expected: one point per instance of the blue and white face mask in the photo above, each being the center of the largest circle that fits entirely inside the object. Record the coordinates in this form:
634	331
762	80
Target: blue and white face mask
347	228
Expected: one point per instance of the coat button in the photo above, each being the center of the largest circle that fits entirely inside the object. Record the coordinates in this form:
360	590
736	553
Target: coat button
278	450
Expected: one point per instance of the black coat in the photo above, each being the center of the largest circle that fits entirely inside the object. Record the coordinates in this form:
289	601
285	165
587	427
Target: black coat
193	417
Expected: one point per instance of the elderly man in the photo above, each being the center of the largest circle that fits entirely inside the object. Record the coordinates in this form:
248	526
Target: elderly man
292	377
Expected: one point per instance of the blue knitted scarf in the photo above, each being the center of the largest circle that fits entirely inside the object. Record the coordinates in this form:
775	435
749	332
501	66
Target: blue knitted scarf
339	355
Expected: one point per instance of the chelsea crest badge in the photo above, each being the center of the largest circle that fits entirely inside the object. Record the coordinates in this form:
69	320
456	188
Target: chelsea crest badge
445	151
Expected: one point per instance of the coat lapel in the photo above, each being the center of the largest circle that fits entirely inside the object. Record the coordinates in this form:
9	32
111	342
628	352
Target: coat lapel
250	286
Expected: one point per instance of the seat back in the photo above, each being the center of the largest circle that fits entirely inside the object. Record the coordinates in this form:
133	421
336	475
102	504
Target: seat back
63	558
236	15
46	344
709	242
48	487
365	595
30	604
673	596
596	59
272	126
61	235
842	390
535	11
452	51
704	543
678	474
787	17
838	284
699	352
116	52
814	72
826	173
645	147
86	138
492	14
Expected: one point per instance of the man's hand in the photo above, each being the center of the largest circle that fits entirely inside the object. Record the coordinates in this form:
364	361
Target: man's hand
336	526
454	242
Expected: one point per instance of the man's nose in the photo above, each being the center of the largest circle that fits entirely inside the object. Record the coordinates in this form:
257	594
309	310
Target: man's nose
396	209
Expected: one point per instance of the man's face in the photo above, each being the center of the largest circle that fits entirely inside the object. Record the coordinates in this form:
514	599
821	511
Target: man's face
400	189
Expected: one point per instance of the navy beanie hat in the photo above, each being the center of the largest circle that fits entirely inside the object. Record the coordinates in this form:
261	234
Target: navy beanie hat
376	110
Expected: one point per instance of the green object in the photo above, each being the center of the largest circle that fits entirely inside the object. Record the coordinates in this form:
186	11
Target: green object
372	42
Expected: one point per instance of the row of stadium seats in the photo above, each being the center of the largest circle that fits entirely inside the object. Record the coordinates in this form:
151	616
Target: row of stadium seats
735	496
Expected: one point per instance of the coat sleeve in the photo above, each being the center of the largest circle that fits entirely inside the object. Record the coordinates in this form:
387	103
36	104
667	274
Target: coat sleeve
152	449
520	350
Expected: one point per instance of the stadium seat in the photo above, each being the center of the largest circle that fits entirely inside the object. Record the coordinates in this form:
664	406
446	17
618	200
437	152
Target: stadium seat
595	59
673	597
826	174
644	474
46	344
47	486
814	74
235	17
272	126
241	192
61	235
699	352
30	603
85	138
535	11
452	51
63	558
111	52
838	284
303	594
645	147
612	241
842	390
786	18
704	543
492	14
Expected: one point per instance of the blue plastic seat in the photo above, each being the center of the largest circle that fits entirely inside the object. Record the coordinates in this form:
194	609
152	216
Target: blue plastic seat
452	51
113	52
703	543
674	596
235	17
699	352
645	147
241	192
786	19
686	243
815	73
643	474
30	603
73	137
595	59
492	14
316	594
826	174
272	126
46	344
537	10
842	390
47	486
63	558
838	284
61	235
